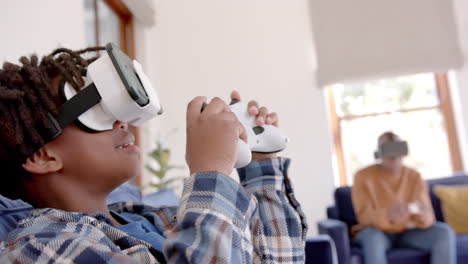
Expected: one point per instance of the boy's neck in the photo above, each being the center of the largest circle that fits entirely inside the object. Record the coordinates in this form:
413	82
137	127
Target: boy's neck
69	197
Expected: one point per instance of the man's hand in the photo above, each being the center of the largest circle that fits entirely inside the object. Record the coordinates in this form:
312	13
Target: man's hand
262	117
212	137
422	215
420	208
398	212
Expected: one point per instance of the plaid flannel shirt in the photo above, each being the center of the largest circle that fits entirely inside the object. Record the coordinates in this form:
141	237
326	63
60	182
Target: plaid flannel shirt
218	221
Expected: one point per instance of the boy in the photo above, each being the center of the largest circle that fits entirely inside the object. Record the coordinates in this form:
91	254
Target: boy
218	221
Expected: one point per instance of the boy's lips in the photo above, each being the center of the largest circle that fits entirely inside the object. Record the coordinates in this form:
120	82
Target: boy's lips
124	145
130	148
129	141
126	142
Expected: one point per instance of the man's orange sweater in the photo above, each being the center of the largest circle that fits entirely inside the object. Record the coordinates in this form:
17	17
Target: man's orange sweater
376	190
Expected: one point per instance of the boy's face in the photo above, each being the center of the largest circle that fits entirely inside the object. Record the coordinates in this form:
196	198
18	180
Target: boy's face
99	160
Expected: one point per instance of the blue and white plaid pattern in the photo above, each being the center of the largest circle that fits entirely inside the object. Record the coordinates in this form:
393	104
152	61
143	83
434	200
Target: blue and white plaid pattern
278	225
219	221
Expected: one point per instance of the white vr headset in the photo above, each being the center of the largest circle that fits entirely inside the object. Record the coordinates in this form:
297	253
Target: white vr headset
116	88
393	148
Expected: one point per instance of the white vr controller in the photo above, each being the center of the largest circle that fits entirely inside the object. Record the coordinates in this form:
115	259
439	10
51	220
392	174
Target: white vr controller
261	139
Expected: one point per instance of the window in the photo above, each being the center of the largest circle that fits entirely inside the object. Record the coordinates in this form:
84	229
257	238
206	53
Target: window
109	21
417	107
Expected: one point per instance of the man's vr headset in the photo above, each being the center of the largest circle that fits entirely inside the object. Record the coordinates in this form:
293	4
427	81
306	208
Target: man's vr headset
116	88
392	148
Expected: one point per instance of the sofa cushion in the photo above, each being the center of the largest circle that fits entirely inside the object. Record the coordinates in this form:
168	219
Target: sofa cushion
407	256
454	200
11	211
396	256
459	179
462	249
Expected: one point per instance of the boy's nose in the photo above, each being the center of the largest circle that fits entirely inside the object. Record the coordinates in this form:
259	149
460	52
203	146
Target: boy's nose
120	125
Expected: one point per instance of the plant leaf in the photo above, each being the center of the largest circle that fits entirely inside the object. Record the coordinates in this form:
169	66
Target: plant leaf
151	169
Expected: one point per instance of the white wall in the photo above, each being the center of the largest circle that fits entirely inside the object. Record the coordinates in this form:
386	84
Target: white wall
459	82
209	47
31	26
263	49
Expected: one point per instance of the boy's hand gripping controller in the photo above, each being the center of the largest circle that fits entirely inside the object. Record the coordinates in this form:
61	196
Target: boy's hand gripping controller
260	139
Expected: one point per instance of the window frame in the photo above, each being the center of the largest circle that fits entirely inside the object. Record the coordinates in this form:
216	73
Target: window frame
445	106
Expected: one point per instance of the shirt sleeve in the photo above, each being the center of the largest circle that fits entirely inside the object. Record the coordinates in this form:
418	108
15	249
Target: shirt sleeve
67	247
213	222
278	225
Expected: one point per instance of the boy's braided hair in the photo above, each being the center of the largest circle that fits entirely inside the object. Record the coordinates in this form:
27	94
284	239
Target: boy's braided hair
26	97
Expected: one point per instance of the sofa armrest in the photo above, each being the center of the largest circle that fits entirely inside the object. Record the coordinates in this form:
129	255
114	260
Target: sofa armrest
320	250
332	212
338	232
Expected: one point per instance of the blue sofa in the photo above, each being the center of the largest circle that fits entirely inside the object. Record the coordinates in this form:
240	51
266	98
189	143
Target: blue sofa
341	217
320	250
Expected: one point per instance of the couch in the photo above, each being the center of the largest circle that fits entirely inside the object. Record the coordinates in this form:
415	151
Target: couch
320	250
341	217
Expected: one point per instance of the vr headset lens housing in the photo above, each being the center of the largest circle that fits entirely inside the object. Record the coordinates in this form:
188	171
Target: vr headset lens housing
396	148
116	88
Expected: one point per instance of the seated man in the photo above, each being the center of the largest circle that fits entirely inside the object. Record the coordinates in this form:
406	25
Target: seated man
393	208
70	176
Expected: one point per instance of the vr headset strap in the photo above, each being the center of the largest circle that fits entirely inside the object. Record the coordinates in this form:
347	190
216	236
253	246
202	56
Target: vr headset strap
72	109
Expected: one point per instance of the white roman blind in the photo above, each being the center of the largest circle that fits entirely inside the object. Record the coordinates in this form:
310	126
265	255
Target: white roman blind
368	39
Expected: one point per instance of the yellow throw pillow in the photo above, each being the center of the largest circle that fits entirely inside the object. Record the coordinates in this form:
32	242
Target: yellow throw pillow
454	201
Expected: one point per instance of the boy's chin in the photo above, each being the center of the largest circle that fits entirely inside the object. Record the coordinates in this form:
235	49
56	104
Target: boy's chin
124	175
131	174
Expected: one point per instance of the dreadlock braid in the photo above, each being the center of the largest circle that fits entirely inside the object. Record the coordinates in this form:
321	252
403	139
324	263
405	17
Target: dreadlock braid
26	97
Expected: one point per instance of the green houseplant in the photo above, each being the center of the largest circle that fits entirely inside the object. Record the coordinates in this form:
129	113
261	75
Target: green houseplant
162	157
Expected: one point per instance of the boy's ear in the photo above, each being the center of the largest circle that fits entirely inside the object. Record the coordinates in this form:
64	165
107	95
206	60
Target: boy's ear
43	161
